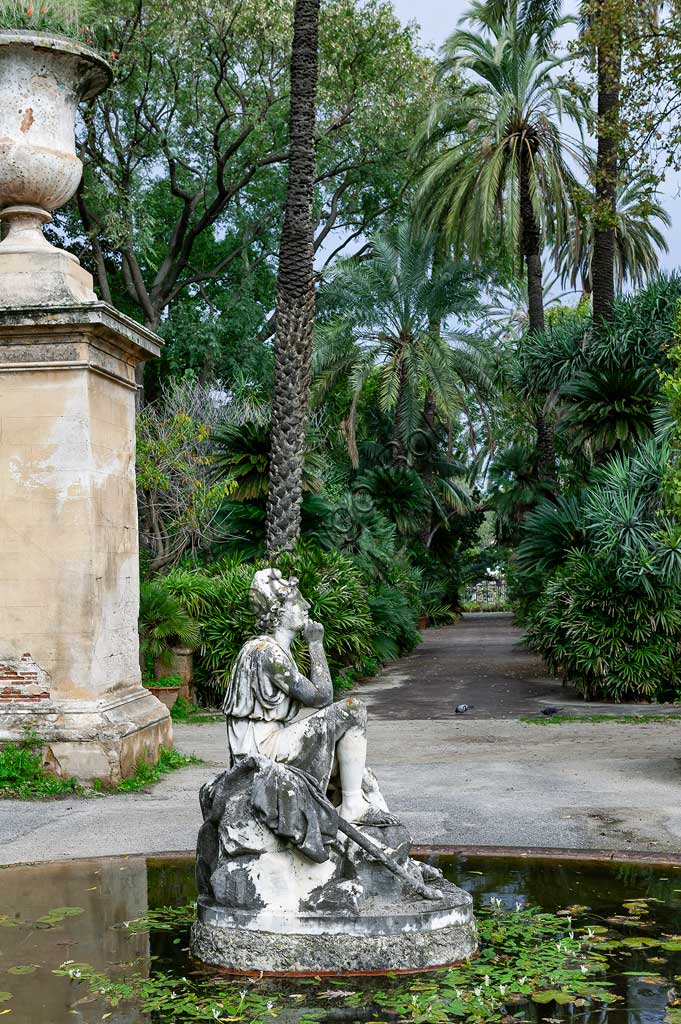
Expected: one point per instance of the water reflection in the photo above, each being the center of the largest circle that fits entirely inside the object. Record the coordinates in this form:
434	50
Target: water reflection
108	892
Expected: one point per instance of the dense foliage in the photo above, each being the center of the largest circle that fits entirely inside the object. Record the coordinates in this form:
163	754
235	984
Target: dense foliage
597	569
366	620
456	409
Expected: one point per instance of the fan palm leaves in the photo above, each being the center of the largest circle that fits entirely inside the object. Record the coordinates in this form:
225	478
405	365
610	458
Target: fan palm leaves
607	409
550	531
164	622
379	312
242	457
515	489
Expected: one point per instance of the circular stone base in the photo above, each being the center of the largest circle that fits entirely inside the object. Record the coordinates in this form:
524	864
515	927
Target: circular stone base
419	935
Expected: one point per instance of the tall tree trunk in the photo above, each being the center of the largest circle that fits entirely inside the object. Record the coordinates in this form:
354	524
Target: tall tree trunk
295	293
429	405
531	243
399	448
608	35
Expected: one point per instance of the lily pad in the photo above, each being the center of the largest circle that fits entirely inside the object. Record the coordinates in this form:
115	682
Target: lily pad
58	914
553	996
22	969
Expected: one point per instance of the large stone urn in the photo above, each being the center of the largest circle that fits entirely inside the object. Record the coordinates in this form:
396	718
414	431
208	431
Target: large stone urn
69	589
42	80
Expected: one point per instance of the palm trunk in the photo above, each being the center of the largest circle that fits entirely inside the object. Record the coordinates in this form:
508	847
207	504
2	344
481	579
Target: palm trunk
609	59
399	448
429	406
531	243
295	293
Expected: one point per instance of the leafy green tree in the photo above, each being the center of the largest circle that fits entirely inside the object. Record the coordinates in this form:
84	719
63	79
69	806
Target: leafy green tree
185	156
631	51
499	172
178	496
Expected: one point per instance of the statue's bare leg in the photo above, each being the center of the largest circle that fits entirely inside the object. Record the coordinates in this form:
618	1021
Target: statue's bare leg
351	753
344	724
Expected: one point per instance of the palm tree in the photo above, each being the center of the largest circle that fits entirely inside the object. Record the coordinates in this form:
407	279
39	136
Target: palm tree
607	409
380	312
295	292
604	24
241	459
637	239
605	21
500	173
515	489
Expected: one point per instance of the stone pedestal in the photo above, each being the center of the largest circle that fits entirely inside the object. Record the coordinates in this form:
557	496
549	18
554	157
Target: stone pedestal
69	584
386	936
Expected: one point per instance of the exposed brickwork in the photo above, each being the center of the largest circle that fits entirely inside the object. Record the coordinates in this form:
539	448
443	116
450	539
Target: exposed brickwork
22	680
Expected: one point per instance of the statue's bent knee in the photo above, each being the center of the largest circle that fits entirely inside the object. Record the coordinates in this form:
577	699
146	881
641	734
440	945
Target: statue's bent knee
356	710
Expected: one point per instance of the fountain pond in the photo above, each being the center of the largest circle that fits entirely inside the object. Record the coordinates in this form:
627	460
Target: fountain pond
580	941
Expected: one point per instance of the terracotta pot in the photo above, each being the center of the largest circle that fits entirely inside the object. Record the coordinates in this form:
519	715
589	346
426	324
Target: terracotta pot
166	694
43	78
423	622
181	664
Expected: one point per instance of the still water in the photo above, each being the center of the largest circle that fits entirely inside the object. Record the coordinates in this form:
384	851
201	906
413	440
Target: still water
55	913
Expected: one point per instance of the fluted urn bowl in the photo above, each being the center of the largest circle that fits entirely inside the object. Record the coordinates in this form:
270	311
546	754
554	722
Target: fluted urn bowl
43	78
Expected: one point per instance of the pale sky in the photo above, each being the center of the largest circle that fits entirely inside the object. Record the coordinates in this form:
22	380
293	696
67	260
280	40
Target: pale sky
437	18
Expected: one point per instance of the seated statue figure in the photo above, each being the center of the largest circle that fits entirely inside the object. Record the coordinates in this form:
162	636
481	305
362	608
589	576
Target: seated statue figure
299	865
266	693
296	823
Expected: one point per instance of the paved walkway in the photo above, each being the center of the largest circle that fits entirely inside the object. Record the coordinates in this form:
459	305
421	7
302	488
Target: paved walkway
479	661
471	779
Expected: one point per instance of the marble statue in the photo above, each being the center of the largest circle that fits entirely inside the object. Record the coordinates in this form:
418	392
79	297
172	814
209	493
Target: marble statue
266	692
300	865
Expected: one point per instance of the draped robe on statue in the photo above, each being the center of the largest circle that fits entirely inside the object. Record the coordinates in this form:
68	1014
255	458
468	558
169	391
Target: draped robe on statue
259	709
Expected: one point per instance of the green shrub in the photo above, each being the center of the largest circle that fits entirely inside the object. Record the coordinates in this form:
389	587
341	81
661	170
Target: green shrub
163	621
612	642
607	568
165	682
367	620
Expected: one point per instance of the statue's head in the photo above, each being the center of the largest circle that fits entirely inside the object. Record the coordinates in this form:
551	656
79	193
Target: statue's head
277	601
